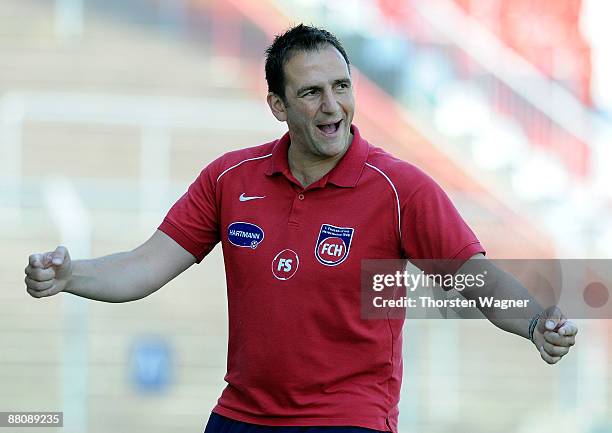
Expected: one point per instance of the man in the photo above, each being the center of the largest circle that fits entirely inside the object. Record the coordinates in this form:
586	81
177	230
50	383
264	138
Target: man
295	218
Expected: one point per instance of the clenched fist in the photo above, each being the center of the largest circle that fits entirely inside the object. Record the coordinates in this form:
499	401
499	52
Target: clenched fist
48	273
554	335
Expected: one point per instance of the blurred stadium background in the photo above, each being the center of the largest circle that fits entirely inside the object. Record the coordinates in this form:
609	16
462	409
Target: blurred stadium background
110	108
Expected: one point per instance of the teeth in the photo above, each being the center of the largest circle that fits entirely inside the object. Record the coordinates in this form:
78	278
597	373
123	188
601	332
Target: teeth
328	129
330	123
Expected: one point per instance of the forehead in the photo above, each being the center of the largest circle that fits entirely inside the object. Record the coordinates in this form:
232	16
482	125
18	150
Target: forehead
315	66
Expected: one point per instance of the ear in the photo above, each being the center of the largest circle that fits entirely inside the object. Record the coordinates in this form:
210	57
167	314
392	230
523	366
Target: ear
277	106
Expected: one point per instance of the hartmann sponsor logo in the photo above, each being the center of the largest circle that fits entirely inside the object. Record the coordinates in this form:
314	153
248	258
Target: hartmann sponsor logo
243	234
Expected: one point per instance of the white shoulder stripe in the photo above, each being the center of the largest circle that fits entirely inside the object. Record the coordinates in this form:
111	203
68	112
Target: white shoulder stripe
242	162
399	214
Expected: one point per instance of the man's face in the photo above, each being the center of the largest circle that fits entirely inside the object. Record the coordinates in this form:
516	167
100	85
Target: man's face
319	103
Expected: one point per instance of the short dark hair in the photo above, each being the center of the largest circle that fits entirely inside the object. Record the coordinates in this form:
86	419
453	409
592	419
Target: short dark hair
298	38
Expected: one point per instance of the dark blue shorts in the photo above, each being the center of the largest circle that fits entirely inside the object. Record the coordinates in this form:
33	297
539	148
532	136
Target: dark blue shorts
221	424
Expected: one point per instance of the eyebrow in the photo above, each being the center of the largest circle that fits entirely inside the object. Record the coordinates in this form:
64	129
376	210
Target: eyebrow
315	87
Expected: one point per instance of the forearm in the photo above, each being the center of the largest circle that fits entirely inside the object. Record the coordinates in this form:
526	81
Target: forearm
503	286
113	278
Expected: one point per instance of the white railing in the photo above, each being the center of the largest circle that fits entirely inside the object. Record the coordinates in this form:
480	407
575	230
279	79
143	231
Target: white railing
156	117
72	219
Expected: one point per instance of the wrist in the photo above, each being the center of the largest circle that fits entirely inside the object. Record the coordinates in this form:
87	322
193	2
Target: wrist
68	279
533	324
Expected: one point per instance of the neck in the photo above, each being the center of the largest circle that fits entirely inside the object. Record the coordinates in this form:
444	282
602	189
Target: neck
308	169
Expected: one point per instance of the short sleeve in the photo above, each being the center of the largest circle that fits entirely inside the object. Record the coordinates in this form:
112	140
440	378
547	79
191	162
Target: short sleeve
432	228
193	220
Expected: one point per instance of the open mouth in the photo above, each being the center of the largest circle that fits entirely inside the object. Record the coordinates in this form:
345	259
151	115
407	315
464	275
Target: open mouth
329	129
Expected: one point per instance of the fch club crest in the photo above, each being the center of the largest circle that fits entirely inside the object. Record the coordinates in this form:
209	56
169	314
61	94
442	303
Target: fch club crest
333	244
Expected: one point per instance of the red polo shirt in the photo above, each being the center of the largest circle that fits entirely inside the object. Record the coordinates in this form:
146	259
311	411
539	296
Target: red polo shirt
299	352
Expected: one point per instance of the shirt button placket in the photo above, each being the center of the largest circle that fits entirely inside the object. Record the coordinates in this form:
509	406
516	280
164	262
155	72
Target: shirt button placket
296	210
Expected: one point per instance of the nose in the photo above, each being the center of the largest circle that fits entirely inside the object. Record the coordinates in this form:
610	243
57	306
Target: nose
329	104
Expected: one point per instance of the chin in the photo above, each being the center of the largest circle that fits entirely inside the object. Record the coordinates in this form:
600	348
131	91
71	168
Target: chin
329	147
334	148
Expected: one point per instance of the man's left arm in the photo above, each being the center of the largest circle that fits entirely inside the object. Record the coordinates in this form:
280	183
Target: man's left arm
552	333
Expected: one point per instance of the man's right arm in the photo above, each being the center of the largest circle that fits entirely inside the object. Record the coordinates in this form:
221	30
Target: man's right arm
120	277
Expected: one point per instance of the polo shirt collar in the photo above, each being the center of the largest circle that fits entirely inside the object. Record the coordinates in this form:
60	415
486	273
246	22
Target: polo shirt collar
345	174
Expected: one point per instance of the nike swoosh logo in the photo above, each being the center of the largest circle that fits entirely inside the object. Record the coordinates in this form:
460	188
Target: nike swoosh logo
247	198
